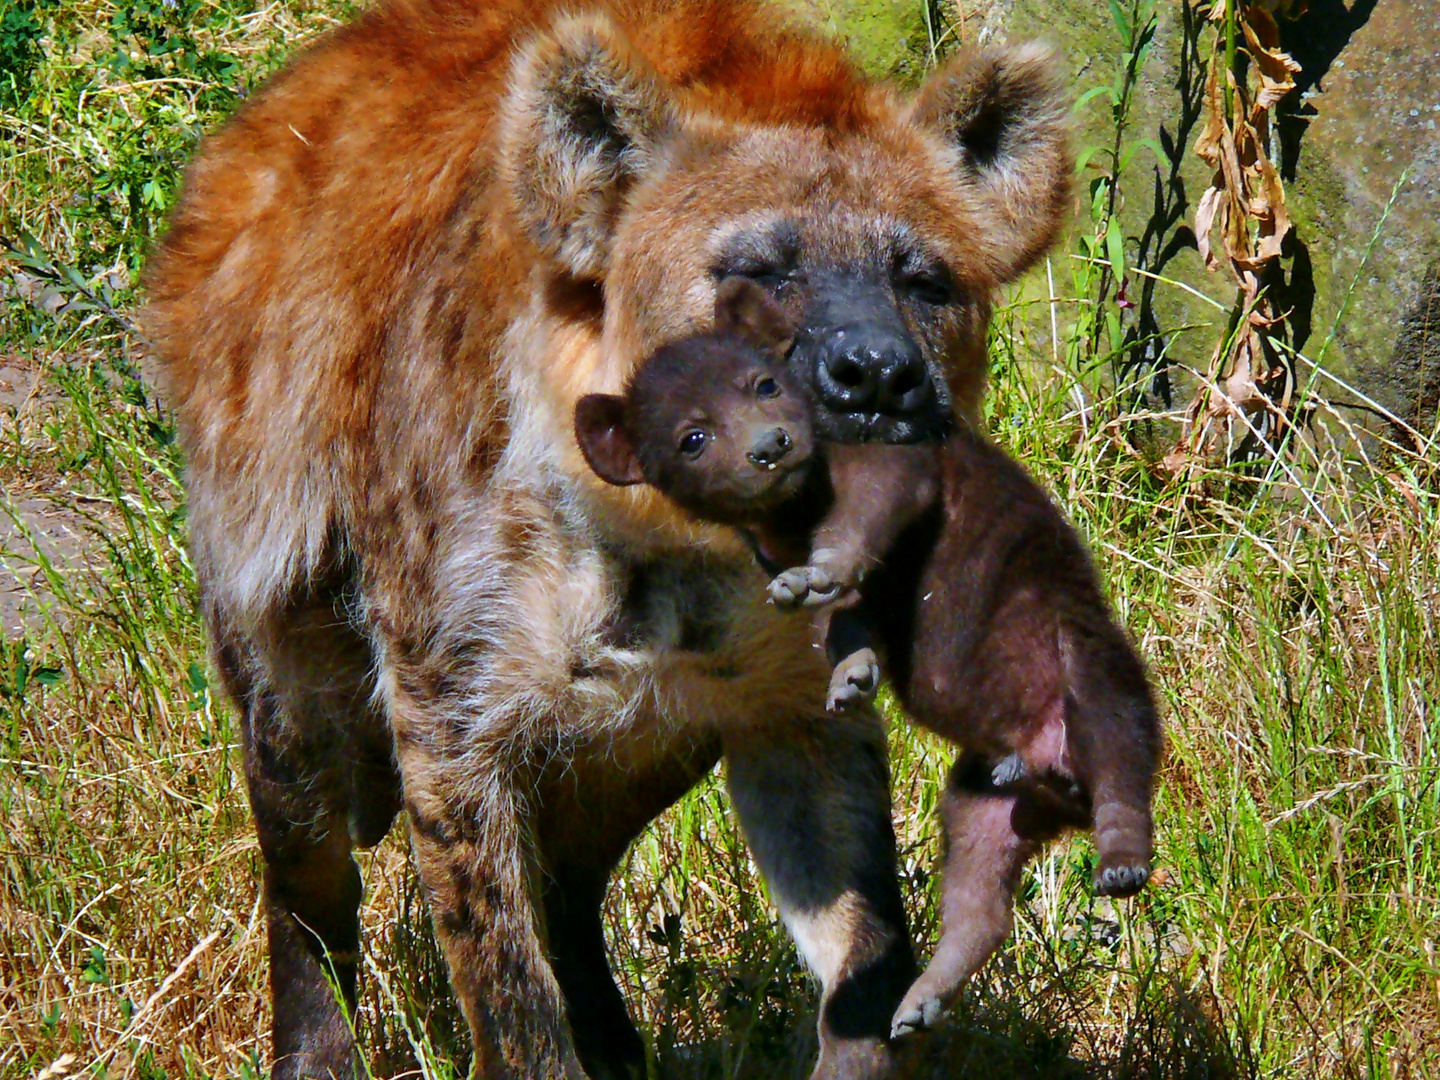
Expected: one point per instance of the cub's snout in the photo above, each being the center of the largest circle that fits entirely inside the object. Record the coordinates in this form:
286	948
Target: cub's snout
770	447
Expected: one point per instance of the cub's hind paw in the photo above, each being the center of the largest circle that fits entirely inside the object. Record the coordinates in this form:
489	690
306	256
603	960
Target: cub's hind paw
1127	879
913	1016
807	586
854	680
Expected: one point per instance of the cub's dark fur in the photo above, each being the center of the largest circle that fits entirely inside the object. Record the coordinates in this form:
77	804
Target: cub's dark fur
980	595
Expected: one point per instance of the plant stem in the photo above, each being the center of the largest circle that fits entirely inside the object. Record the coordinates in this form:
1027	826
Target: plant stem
1229	61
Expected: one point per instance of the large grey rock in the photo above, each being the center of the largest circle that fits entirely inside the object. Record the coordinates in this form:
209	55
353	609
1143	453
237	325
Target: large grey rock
1357	142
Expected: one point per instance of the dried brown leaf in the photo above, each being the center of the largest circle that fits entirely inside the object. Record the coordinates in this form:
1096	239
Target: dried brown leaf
1269	211
1208	144
1246	203
1205	221
1276	69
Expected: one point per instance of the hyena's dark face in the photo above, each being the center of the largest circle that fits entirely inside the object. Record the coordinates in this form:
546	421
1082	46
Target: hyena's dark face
883	236
875	316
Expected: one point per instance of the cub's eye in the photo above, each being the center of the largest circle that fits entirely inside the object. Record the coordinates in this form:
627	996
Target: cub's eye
767	387
692	442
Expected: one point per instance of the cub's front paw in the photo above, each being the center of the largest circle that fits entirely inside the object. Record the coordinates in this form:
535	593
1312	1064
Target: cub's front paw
918	1015
807	586
854	680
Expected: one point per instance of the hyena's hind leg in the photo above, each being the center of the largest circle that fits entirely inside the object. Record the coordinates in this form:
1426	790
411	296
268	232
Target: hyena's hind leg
317	768
991	832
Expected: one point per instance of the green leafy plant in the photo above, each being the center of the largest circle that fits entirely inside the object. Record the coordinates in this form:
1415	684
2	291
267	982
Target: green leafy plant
22	28
1101	276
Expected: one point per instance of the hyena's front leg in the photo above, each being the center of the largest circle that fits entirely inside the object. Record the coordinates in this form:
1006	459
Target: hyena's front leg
813	796
471	843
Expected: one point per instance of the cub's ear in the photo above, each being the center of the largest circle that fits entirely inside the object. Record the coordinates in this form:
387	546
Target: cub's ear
744	308
604	440
1005	114
581	120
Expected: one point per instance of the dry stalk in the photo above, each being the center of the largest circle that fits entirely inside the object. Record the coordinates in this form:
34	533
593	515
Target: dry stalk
1251	383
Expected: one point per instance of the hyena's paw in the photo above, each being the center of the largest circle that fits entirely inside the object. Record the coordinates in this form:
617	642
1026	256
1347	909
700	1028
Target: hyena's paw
1121	878
805	586
854	680
1011	770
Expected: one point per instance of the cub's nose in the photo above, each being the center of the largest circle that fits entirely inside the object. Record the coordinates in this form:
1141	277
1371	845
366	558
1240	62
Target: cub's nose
769	448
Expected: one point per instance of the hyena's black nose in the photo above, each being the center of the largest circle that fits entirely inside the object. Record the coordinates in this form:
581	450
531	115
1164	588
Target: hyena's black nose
770	447
872	368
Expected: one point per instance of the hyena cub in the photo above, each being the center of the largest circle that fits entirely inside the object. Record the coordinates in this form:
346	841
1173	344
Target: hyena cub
950	557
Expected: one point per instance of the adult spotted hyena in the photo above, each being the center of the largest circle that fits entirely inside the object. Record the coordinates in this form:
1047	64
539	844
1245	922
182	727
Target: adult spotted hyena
390	278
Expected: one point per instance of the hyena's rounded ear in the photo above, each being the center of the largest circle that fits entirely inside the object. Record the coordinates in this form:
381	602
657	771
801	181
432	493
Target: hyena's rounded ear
1004	112
581	121
605	440
743	308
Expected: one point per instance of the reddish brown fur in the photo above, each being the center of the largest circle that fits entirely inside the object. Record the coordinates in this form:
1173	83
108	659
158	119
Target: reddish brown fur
389	279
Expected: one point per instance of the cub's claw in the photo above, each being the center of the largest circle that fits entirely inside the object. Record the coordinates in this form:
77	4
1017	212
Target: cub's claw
854	680
1009	771
1125	880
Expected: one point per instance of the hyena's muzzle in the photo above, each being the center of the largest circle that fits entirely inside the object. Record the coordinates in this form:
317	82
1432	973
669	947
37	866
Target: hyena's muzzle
864	365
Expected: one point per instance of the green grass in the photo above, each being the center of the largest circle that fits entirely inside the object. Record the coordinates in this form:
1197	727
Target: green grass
1293	636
